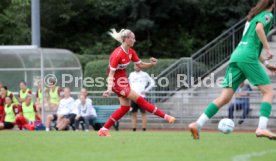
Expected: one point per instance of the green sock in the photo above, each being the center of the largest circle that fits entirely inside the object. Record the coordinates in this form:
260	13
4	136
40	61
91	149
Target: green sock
211	110
265	109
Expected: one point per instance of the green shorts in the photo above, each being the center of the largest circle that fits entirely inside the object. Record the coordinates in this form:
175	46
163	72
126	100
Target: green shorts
236	73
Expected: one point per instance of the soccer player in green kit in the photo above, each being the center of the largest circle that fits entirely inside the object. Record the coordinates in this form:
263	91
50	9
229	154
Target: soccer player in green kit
245	64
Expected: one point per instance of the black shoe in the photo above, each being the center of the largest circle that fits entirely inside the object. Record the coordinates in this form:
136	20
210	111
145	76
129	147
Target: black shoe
134	129
241	121
144	129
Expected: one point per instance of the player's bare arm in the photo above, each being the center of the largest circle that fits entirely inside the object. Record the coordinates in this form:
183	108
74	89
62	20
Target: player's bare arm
261	34
110	82
144	65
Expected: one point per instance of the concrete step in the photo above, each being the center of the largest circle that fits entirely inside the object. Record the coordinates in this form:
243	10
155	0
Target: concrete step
155	123
273	38
272	44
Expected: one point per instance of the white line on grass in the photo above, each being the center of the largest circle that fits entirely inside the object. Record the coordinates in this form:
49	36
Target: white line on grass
248	156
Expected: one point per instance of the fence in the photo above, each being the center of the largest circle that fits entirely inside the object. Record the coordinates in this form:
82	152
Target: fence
187	106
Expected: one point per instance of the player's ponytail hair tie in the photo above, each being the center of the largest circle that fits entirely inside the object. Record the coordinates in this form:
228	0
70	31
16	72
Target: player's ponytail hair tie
119	36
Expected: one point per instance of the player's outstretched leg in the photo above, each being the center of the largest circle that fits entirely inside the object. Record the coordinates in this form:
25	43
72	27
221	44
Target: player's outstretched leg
209	112
262	130
117	115
152	109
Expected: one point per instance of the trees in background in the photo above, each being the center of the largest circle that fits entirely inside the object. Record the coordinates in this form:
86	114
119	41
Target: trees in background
163	28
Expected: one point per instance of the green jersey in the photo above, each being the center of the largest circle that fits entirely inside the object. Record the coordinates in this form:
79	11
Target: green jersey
250	46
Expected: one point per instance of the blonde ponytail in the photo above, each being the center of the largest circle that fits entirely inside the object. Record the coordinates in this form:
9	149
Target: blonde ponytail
119	36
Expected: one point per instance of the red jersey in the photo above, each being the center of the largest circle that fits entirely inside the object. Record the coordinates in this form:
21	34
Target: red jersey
2	101
2	113
120	59
118	62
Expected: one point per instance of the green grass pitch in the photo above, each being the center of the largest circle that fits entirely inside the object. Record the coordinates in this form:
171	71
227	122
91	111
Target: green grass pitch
134	146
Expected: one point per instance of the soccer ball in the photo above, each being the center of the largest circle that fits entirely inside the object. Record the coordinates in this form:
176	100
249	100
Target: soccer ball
226	126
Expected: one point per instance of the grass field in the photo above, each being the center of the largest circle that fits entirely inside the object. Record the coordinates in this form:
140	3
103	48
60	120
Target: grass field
134	146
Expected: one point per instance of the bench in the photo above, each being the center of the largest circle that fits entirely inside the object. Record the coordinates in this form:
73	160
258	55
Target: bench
103	114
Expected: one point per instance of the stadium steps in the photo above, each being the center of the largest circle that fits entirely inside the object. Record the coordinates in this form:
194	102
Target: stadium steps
189	108
204	95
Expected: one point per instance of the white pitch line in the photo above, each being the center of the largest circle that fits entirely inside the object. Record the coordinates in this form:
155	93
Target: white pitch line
248	156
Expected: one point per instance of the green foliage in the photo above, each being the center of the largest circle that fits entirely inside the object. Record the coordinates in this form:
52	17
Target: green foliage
99	68
84	59
15	22
163	28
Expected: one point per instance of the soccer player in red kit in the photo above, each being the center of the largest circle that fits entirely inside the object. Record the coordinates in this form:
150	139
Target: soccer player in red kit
118	81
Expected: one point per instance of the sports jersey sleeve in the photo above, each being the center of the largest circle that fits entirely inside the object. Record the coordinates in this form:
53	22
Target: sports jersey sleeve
11	96
29	92
14	100
15	109
19	108
59	91
135	59
114	61
266	19
34	108
2	114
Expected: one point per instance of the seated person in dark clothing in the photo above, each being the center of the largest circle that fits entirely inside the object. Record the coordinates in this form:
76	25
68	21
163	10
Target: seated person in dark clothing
241	102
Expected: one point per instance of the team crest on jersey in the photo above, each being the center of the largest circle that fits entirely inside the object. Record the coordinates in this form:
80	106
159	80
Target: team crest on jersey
122	93
267	18
125	91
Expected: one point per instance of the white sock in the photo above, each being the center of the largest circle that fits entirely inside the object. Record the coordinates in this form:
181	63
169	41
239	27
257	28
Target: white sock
47	129
263	122
202	120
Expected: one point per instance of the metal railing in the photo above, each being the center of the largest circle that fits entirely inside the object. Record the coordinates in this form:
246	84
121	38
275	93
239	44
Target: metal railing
217	52
187	106
205	60
208	58
201	63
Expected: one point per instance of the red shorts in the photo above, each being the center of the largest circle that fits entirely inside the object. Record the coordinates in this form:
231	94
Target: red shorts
121	87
